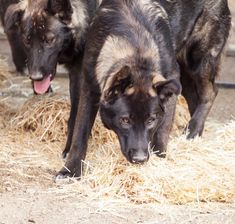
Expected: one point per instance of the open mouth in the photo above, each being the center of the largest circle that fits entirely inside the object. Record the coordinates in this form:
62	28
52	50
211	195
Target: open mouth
42	86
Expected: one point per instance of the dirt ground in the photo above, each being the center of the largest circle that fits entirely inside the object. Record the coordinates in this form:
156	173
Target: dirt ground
34	205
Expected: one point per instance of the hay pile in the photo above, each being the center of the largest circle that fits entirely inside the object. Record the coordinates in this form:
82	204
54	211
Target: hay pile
182	117
47	118
202	170
6	112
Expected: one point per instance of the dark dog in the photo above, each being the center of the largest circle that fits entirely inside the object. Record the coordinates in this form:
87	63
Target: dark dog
138	55
53	31
14	38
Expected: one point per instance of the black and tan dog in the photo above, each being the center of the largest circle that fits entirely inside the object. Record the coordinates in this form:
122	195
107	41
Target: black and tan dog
52	32
138	55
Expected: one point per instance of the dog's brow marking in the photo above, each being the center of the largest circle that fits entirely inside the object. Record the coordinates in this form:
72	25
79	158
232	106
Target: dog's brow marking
152	92
130	91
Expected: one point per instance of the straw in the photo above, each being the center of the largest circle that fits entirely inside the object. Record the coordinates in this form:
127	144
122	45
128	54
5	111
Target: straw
202	170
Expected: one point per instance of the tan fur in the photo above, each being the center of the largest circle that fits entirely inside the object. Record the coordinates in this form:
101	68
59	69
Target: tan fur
106	10
157	78
114	49
130	90
152	92
79	18
142	36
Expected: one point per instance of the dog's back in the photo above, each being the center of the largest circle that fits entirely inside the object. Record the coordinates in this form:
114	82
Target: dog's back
145	29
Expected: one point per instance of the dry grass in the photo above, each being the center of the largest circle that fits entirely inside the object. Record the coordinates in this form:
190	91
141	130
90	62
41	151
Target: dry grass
202	170
4	73
6	112
47	118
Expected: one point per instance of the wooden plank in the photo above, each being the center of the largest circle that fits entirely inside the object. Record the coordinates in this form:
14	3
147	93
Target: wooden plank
230	50
225	85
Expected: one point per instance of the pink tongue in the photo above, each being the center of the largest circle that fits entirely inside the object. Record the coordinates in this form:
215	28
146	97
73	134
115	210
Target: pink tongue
41	87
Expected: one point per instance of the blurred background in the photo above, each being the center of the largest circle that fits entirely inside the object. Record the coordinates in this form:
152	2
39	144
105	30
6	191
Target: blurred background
18	88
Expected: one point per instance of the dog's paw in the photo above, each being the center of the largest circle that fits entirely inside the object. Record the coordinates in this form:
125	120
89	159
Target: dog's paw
72	169
160	154
192	135
160	150
63	174
194	129
63	178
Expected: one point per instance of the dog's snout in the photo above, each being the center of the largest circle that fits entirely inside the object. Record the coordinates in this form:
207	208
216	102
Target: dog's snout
138	156
36	76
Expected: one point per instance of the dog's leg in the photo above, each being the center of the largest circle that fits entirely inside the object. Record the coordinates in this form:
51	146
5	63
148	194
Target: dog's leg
206	91
200	94
87	110
199	90
161	137
74	89
189	91
201	60
18	55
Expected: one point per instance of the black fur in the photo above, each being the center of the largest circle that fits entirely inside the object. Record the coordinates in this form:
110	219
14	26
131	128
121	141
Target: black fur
14	38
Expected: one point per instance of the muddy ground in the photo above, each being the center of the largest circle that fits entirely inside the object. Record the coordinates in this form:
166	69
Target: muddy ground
30	205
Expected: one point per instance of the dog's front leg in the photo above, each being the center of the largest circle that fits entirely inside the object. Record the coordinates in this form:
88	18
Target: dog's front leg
87	110
161	136
74	89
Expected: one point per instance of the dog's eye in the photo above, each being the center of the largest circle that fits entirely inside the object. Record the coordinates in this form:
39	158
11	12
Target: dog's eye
26	40
151	120
125	121
50	39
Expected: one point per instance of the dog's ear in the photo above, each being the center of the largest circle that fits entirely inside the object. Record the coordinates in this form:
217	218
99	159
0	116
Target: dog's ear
166	89
61	8
13	16
117	85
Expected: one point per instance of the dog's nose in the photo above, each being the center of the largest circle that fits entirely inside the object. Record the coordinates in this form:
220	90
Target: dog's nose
138	156
37	76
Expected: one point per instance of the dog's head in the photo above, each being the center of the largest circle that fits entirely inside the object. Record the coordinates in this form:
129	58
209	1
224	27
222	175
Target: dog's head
133	106
46	34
